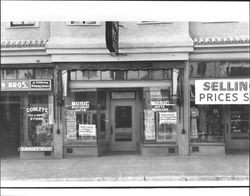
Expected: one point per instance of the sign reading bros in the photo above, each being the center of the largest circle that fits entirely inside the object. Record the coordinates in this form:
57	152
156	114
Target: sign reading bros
222	91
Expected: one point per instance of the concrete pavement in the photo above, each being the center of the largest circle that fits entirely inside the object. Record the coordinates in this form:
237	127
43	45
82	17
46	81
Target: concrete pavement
125	168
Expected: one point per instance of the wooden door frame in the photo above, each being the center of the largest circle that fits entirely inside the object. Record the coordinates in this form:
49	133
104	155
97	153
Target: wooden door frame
138	117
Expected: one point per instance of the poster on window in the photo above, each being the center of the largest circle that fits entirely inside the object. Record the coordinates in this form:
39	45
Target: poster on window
87	130
71	124
168	117
37	112
149	123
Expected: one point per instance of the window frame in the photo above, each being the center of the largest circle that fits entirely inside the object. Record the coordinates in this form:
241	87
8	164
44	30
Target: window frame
9	26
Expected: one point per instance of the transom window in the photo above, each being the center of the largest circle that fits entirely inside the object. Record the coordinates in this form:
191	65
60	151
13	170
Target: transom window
26	73
121	75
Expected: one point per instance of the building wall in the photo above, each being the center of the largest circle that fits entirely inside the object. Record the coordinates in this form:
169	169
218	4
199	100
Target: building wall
28	33
213	29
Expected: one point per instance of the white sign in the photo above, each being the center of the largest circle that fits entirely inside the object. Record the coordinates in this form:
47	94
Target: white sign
80	105
168	117
149	120
222	91
87	130
35	148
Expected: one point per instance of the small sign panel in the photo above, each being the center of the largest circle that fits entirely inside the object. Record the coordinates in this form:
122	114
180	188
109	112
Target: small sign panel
23	148
222	91
80	105
168	117
26	85
87	130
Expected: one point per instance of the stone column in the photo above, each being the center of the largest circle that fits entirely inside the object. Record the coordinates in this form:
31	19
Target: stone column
57	129
183	132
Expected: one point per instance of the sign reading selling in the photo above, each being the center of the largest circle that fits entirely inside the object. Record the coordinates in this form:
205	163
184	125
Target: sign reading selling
26	85
222	91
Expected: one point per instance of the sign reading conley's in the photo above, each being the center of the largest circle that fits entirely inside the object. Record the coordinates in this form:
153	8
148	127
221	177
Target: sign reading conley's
222	91
26	85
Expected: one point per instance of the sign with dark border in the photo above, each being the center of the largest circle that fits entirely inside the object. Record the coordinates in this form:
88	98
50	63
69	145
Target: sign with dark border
26	85
112	36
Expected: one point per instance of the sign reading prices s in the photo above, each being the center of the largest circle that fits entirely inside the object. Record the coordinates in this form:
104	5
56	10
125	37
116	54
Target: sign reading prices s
222	91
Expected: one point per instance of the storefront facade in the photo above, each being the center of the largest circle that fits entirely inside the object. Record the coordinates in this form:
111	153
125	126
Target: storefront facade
219	77
142	100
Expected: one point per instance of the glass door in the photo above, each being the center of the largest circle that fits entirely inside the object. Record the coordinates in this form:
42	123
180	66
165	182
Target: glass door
123	133
238	127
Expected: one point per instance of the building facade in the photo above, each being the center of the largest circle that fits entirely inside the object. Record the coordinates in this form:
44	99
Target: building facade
64	94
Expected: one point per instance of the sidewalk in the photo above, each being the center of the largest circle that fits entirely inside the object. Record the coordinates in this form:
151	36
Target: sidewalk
125	168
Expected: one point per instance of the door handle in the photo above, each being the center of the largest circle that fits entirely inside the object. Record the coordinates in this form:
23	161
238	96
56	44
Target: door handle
111	130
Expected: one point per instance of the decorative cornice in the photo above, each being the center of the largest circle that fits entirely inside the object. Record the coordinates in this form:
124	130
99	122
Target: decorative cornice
23	43
221	40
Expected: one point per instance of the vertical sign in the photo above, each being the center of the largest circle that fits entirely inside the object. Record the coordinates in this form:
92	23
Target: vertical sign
112	36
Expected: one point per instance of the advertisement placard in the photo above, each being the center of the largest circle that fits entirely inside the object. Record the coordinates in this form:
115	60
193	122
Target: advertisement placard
222	91
168	117
87	130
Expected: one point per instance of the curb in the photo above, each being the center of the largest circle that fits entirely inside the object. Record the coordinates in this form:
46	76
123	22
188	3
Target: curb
140	178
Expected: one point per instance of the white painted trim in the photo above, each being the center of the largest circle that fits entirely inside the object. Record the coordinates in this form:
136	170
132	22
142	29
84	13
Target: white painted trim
126	57
97	23
25	59
218	56
8	26
78	85
153	22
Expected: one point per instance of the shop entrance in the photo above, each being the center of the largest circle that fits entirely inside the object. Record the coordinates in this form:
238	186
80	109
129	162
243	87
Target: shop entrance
9	128
123	131
237	128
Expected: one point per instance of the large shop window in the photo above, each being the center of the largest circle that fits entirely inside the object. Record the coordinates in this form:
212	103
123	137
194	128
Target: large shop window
160	116
86	117
39	121
219	69
206	123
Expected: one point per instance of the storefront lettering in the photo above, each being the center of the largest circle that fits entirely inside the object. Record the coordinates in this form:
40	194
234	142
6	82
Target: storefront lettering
234	91
37	109
80	105
26	85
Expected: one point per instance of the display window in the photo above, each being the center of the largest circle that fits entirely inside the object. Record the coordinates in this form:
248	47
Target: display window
39	125
219	69
86	114
160	115
206	123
